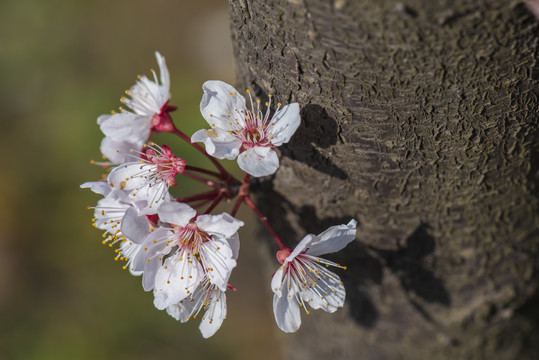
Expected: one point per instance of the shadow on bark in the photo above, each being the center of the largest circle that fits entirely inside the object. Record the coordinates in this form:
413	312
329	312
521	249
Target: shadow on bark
530	311
409	265
317	127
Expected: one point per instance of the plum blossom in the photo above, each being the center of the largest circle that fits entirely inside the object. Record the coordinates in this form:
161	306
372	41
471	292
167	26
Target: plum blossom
149	178
248	135
206	296
303	277
148	101
184	253
109	215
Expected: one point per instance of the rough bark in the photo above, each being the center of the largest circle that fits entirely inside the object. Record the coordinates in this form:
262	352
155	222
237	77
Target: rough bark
419	119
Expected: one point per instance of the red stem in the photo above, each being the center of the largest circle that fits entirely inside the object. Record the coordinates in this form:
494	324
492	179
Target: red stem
264	221
204	171
204	196
237	205
215	203
200	203
201	179
242	193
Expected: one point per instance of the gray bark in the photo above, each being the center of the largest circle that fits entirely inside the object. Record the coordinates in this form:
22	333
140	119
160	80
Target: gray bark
419	120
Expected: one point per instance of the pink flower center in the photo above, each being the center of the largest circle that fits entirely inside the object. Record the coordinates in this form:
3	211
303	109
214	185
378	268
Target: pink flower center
168	166
257	127
255	132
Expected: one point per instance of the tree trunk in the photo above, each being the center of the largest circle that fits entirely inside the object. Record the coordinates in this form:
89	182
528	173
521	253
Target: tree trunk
420	121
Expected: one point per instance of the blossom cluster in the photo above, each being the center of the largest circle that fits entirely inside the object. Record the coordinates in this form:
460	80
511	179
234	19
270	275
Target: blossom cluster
183	251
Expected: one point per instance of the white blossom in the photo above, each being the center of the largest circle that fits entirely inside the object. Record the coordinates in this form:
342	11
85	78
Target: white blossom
149	178
148	100
179	256
303	278
208	297
245	134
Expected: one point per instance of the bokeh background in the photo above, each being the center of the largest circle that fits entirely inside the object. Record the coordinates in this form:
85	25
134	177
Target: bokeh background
62	296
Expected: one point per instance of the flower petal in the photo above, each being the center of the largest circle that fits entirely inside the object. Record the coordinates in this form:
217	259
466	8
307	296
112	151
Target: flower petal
214	315
234	242
175	280
155	246
221	104
286	310
303	244
126	177
99	187
119	152
150	271
163	70
134	226
277	280
176	213
333	239
259	161
126	126
177	311
218	143
286	121
223	224
218	261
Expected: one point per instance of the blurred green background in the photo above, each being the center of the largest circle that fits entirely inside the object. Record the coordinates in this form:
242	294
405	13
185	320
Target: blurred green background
62	296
